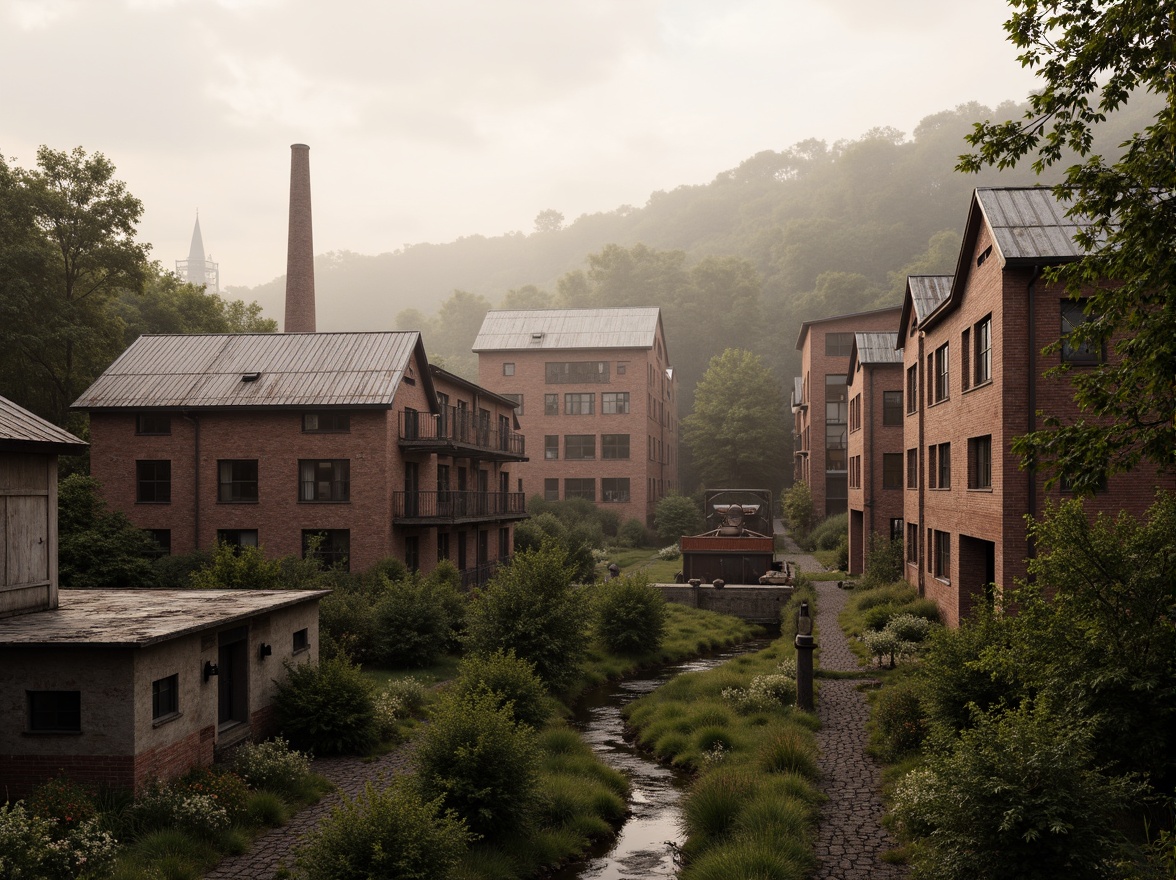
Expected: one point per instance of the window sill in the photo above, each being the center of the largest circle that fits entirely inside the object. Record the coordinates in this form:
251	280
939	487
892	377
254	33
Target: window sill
166	719
945	581
304	501
298	651
939	489
936	403
51	733
987	383
153	503
237	502
982	490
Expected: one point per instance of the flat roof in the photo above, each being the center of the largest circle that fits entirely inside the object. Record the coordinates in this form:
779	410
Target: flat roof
139	618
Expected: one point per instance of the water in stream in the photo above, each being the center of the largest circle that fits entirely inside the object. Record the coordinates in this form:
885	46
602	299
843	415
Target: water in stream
646	843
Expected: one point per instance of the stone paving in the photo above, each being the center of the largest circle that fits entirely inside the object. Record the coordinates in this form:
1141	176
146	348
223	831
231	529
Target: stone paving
274	850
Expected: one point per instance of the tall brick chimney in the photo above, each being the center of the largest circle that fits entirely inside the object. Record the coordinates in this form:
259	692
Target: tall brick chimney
300	249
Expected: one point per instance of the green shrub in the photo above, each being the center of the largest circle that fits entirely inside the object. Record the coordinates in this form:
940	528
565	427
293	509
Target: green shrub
326	709
175	807
224	786
712	805
175	572
630	615
532	608
633	534
266	809
764	858
384	833
40	849
511	680
828	534
347	626
900	725
62	800
675	516
413	624
479	763
884	561
791	749
271	765
841	560
238	568
908	627
797	504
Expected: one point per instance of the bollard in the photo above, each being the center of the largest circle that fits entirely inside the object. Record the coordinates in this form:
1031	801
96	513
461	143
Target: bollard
804	658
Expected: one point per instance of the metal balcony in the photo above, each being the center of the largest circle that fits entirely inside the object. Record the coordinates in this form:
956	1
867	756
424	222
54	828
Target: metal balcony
448	506
459	432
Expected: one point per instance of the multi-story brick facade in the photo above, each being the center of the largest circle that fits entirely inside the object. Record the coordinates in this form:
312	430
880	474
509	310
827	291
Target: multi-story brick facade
875	443
350	439
973	359
820	405
597	400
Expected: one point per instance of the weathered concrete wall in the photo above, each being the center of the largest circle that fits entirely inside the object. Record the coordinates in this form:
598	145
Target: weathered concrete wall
749	602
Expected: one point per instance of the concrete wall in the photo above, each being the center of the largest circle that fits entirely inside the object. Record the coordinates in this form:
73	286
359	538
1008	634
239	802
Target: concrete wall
761	604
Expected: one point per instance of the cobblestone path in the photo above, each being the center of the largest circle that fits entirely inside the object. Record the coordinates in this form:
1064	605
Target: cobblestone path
274	849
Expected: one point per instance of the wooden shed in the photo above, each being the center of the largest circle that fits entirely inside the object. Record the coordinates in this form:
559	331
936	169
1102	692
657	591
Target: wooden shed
29	447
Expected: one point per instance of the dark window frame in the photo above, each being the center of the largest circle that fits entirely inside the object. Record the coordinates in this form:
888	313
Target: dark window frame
165	697
614	403
326	422
982	359
153	481
580	487
551	489
612	443
575	446
337	543
338	482
152	424
576	372
551	447
615	490
892	413
839	344
242	485
892	468
980	463
54	711
1073	315
942	384
551	404
574	403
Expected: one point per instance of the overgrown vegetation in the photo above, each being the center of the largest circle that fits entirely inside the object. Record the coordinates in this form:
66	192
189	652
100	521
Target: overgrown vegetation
630	615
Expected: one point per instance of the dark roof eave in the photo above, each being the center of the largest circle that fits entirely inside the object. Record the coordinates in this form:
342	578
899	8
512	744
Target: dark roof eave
43	447
231	407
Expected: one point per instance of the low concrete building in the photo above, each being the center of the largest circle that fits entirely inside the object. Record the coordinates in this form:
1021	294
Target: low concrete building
118	687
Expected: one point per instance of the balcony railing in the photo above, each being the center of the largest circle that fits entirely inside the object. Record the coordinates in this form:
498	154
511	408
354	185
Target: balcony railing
455	429
480	574
456	506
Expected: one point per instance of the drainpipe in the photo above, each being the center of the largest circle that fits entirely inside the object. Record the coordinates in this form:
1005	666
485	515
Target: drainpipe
195	420
1031	403
869	500
920	449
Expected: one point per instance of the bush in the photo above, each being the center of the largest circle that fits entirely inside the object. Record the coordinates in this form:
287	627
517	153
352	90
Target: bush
63	801
841	561
40	849
633	534
797	504
272	765
532	608
630	615
327	709
384	833
830	532
225	787
412	624
899	722
479	763
238	568
176	807
884	562
510	680
675	516
96	547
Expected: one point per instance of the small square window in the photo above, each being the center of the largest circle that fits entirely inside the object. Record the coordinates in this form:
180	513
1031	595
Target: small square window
165	696
580	488
237	481
301	641
153	482
508	369
55	711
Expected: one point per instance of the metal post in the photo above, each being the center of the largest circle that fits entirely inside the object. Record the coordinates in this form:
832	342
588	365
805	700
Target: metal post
804	658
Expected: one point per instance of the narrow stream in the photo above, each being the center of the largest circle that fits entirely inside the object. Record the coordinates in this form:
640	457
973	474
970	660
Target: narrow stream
644	847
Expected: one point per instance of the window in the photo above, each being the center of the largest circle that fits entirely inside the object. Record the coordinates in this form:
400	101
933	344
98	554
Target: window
855	472
165	696
237	537
895	528
912	469
583	488
331	547
579	404
503	543
551	447
55	711
508	369
614	403
891	408
836	418
442	546
912	388
153	482
576	373
980	462
412	553
1073	316
838	344
301	639
983	342
518	402
551	404
855	413
614	489
162	537
912	543
941	373
551	490
939	466
965	364
892	470
943	555
153	423
326	422
237	481
621	368
579	447
614	446
325	481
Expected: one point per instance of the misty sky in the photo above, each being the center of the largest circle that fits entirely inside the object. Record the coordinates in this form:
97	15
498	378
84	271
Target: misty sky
432	119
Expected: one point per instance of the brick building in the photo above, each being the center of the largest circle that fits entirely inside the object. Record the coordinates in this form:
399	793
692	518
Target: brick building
820	405
352	439
875	443
596	388
974	380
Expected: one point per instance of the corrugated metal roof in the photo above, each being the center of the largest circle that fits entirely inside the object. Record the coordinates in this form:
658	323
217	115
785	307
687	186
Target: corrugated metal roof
1029	224
294	369
804	327
928	292
525	329
878	348
25	431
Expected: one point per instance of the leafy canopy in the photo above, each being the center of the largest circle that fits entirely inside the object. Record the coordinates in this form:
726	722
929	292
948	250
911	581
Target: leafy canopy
1093	58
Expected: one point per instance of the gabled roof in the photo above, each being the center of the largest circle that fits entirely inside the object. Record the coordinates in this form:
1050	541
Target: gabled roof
804	328
924	294
876	348
259	370
475	389
553	329
22	431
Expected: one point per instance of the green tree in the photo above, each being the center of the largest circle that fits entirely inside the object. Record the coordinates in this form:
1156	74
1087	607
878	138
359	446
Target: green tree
734	431
238	568
675	516
550	220
1092	60
74	246
97	547
168	305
